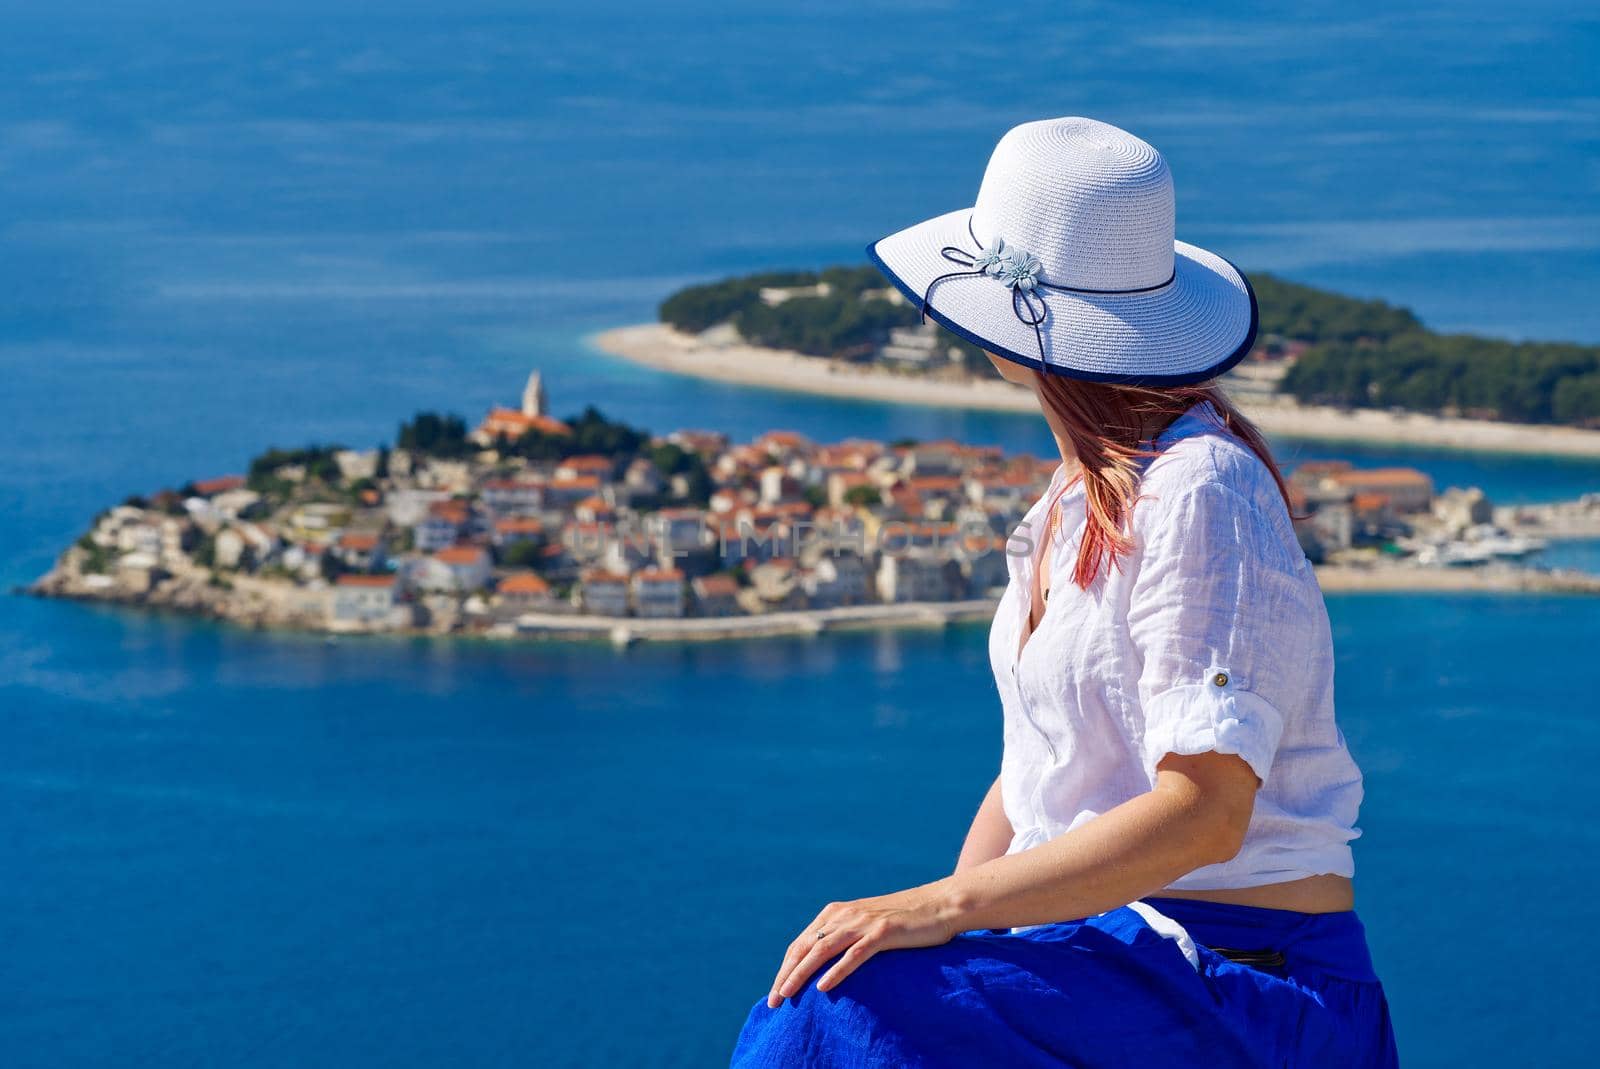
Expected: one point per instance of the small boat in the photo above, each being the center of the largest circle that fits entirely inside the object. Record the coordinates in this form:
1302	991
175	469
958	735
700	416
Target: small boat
1464	555
1506	545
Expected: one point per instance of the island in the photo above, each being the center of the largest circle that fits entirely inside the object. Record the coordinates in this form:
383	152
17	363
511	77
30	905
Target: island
528	525
1325	366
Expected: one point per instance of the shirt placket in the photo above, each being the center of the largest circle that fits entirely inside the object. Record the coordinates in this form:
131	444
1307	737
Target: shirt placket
1025	574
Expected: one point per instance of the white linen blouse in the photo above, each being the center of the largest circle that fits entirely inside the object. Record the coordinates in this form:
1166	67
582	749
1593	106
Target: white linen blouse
1211	634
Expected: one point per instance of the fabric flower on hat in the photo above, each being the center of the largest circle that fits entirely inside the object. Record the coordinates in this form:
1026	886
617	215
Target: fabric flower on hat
992	259
1019	270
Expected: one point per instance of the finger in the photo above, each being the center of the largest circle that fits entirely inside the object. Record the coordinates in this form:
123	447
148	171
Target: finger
826	921
859	952
790	957
780	986
798	949
825	950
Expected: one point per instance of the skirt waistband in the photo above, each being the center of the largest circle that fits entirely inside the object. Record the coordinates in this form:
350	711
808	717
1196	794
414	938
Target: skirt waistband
1332	943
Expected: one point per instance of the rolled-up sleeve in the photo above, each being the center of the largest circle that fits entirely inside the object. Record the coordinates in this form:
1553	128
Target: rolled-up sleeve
1217	616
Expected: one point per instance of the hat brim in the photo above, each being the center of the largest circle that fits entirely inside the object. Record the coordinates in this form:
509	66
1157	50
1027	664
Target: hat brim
1194	328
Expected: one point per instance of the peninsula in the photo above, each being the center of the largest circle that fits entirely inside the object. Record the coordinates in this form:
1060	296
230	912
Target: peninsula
1325	366
527	525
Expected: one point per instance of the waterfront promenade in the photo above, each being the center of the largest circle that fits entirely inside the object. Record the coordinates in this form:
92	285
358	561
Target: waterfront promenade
624	630
270	606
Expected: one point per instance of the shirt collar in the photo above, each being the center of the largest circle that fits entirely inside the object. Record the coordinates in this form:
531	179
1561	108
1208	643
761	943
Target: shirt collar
1199	418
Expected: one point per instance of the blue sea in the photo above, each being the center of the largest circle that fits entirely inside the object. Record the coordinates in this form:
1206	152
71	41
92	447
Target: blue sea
226	226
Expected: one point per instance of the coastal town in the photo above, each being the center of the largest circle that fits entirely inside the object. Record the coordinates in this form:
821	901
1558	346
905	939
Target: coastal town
529	525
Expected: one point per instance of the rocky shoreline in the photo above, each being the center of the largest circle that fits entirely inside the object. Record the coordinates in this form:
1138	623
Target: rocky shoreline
286	607
277	606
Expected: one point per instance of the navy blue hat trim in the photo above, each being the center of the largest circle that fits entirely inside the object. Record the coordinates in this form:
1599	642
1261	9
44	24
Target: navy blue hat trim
1185	379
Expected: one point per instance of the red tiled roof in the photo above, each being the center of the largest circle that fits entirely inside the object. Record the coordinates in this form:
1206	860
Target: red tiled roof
512	484
907	501
512	423
588	462
219	485
366	580
1383	477
793	439
523	583
716	586
460	555
658	575
1323	467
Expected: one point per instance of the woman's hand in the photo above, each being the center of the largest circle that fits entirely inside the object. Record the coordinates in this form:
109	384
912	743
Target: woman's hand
919	917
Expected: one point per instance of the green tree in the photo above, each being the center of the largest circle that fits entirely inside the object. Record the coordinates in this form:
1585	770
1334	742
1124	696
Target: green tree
523	554
1301	313
1577	400
96	560
863	496
436	435
331	567
316	460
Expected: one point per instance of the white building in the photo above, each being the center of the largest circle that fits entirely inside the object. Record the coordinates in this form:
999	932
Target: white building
357	463
658	592
513	497
455	568
604	593
365	601
680	531
918	346
837	579
407	508
913	577
776	295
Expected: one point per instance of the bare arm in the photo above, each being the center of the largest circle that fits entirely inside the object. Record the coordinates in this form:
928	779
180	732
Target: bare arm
1196	815
990	834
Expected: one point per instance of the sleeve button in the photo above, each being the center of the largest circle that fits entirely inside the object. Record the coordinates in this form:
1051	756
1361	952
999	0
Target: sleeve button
1220	679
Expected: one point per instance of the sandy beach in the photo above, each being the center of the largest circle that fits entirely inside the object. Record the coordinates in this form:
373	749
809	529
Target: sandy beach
658	346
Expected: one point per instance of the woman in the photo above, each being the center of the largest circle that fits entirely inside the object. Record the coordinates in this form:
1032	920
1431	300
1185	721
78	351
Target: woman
1161	873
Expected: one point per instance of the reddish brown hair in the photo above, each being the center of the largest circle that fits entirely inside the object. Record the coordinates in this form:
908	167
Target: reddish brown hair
1106	425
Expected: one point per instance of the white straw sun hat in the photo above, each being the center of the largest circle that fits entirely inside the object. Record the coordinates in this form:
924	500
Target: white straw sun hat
1068	264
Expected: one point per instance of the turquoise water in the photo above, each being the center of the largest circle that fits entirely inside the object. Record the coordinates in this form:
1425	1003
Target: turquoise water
268	851
302	222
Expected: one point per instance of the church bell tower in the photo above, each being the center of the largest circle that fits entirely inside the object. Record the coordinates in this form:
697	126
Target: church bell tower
533	396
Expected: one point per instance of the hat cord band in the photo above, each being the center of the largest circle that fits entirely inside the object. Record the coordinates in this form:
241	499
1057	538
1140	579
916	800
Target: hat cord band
1019	272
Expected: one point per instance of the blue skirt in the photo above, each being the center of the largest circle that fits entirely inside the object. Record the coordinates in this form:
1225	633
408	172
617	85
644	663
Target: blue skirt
1103	992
